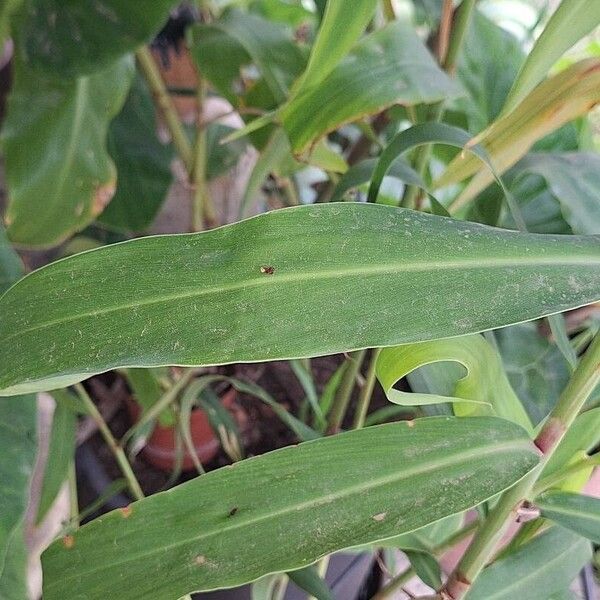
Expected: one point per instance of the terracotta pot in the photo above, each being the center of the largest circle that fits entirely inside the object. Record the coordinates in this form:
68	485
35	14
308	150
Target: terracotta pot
159	451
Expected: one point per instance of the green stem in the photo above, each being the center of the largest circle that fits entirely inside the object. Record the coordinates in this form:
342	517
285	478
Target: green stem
202	206
436	111
73	498
111	442
580	386
364	398
342	398
165	104
161	404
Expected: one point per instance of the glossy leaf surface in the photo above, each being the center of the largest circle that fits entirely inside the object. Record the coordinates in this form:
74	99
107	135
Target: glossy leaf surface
374	275
285	509
58	172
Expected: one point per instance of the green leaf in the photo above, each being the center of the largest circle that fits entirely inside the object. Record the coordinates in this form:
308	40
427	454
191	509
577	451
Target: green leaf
484	389
576	512
573	178
419	135
362	173
426	567
553	103
58	172
61	453
308	580
342	24
69	39
487	68
535	368
7	9
387	67
222	48
561	339
306	501
240	293
582	436
143	164
18	446
572	20
11	267
13	570
538	569
308	385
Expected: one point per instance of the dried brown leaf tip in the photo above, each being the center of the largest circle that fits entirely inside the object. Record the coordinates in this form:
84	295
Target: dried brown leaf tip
68	541
267	270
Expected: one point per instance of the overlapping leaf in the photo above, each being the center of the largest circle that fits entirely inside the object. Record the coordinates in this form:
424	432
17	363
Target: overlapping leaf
373	276
553	103
546	565
306	501
387	67
484	388
571	21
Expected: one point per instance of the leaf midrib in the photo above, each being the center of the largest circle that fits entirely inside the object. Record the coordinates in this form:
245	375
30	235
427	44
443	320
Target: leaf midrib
443	463
276	279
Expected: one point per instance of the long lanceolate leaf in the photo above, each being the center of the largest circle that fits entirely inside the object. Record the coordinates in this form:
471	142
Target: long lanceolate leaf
576	512
297	282
284	510
572	20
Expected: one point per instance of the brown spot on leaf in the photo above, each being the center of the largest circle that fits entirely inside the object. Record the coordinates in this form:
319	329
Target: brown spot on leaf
379	517
102	196
267	270
233	511
68	541
410	424
200	560
126	511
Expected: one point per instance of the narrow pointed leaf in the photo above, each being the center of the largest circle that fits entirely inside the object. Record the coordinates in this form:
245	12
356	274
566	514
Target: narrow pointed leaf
387	67
556	101
59	174
571	21
220	529
426	567
308	579
576	512
374	275
342	24
542	567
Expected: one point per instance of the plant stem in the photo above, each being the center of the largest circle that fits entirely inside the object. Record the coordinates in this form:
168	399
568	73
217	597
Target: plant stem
436	111
203	209
161	404
165	105
113	446
364	398
342	397
580	386
73	499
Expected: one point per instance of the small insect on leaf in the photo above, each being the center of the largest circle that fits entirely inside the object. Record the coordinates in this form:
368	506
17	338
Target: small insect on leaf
267	270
